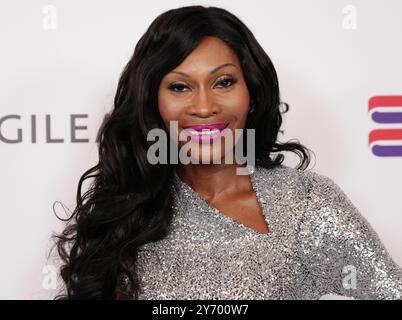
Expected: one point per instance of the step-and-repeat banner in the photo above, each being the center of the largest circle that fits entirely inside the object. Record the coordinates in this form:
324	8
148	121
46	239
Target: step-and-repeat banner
340	71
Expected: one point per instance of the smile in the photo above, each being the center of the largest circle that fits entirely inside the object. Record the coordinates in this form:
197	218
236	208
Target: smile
205	133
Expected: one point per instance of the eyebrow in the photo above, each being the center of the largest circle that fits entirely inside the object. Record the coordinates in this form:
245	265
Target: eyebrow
210	72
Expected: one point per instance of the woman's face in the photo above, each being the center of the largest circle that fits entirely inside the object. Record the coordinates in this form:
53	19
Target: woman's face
208	87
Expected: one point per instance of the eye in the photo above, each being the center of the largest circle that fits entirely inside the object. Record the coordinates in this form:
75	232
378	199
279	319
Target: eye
227	79
224	82
176	87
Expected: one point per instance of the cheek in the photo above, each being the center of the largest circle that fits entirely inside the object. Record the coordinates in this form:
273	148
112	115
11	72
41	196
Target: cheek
168	110
239	109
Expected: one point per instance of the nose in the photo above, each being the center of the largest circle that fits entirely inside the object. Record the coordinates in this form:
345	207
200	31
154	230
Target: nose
203	105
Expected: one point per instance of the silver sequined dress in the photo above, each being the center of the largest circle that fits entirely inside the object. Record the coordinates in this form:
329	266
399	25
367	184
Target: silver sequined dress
318	244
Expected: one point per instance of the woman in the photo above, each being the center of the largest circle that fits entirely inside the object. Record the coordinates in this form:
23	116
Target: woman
203	231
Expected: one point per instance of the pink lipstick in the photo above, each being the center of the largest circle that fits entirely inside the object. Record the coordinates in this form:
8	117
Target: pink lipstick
205	132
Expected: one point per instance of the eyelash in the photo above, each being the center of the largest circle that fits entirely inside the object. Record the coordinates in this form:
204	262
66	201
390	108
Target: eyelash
224	79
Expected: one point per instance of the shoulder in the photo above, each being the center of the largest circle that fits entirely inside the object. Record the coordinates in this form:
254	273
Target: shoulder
329	211
310	196
325	195
307	181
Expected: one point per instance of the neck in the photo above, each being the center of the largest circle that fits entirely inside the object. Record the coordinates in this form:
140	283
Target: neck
213	180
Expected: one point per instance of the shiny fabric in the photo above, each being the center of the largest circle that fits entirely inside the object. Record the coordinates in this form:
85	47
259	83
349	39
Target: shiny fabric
318	244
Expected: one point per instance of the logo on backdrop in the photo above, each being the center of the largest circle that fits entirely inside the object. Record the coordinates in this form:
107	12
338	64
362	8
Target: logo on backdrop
15	129
386	141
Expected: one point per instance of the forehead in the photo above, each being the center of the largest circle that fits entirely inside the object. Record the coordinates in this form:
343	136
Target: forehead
209	53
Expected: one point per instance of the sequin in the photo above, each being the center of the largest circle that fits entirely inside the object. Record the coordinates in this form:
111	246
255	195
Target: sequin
318	243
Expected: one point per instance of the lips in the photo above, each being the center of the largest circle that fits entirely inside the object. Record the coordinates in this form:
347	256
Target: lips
201	127
203	133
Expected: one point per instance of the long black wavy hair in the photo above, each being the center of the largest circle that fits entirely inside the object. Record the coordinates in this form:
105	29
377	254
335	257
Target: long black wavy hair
128	202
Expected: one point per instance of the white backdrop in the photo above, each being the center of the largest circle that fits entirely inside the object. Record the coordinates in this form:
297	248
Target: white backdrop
60	62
